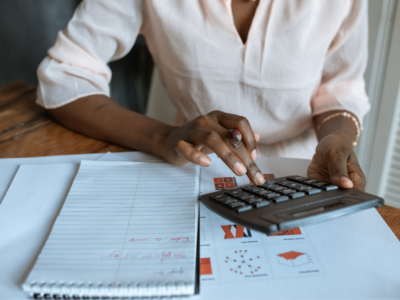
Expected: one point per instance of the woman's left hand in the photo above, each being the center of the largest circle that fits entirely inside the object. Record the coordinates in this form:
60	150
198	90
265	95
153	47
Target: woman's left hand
335	161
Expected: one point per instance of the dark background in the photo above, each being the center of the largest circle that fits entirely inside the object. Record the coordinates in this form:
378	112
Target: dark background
28	28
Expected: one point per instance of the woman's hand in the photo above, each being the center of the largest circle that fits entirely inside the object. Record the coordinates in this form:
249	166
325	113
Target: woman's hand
210	133
334	161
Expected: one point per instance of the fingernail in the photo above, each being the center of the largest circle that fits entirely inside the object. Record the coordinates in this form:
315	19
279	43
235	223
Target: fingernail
254	154
346	181
204	160
240	168
259	179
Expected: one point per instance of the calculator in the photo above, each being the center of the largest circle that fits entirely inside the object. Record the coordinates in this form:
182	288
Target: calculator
287	202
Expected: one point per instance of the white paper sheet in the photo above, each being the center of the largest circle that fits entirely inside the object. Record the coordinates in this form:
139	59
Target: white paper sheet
131	156
124	223
360	244
20	252
26	217
9	166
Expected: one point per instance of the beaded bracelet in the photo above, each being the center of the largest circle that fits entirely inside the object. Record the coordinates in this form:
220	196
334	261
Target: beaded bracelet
347	115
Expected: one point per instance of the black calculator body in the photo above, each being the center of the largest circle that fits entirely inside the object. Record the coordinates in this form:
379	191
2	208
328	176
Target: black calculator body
287	202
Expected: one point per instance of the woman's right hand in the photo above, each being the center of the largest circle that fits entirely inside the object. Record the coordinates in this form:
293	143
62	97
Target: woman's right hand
210	133
101	117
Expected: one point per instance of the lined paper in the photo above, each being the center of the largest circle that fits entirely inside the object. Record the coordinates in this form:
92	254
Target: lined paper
124	223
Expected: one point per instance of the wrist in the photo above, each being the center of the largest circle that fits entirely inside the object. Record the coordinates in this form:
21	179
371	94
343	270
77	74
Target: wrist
343	136
342	123
159	140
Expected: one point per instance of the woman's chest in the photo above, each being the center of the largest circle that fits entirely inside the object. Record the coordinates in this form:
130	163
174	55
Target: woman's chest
285	48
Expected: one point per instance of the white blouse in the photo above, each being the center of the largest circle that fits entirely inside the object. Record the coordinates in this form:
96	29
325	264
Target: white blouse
301	58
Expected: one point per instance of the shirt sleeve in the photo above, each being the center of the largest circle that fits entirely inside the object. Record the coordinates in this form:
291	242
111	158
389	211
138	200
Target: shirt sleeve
76	66
342	84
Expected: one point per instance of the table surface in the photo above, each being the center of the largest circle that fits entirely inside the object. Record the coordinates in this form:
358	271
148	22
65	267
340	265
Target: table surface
26	130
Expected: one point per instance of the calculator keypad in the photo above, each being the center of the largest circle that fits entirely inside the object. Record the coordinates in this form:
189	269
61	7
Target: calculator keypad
280	199
229	200
244	196
260	193
271	195
219	197
235	204
297	195
261	204
253	200
244	208
303	188
252	196
287	191
319	184
330	188
313	191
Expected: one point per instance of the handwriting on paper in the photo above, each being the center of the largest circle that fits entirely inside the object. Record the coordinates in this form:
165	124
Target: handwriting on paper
161	256
172	271
138	240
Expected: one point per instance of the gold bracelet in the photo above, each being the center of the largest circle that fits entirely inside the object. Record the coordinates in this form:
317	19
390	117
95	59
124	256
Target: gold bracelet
346	115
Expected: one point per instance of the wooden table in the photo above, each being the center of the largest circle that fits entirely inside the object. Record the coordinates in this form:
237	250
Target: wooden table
26	130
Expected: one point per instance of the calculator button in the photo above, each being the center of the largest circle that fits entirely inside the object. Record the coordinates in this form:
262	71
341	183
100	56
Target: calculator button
319	184
271	181
303	188
260	193
255	191
297	195
271	195
278	189
244	196
235	204
287	191
219	197
261	204
310	181
330	188
313	191
298	178
281	199
229	200
234	193
284	182
243	208
270	186
252	200
250	189
293	185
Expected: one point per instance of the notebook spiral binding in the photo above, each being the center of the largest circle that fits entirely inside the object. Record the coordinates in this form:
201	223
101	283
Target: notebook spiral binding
45	290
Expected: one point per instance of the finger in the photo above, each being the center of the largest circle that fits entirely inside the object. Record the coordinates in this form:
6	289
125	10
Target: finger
337	166
314	171
359	183
241	152
356	174
234	121
256	136
189	152
213	140
253	172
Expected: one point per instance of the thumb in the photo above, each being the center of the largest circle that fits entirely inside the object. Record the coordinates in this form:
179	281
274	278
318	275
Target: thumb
338	171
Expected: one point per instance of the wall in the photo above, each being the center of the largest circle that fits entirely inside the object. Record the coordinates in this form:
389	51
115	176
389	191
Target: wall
28	28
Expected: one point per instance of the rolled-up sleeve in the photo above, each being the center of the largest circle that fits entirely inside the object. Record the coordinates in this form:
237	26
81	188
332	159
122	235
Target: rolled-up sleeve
76	66
342	84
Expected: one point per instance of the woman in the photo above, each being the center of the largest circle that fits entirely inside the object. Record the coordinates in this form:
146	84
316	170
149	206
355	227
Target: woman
291	70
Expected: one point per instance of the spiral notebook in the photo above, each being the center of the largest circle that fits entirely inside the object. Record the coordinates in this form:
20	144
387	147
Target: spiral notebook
125	230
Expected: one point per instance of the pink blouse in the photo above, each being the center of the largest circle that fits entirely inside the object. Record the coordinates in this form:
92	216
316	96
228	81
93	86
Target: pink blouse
301	58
